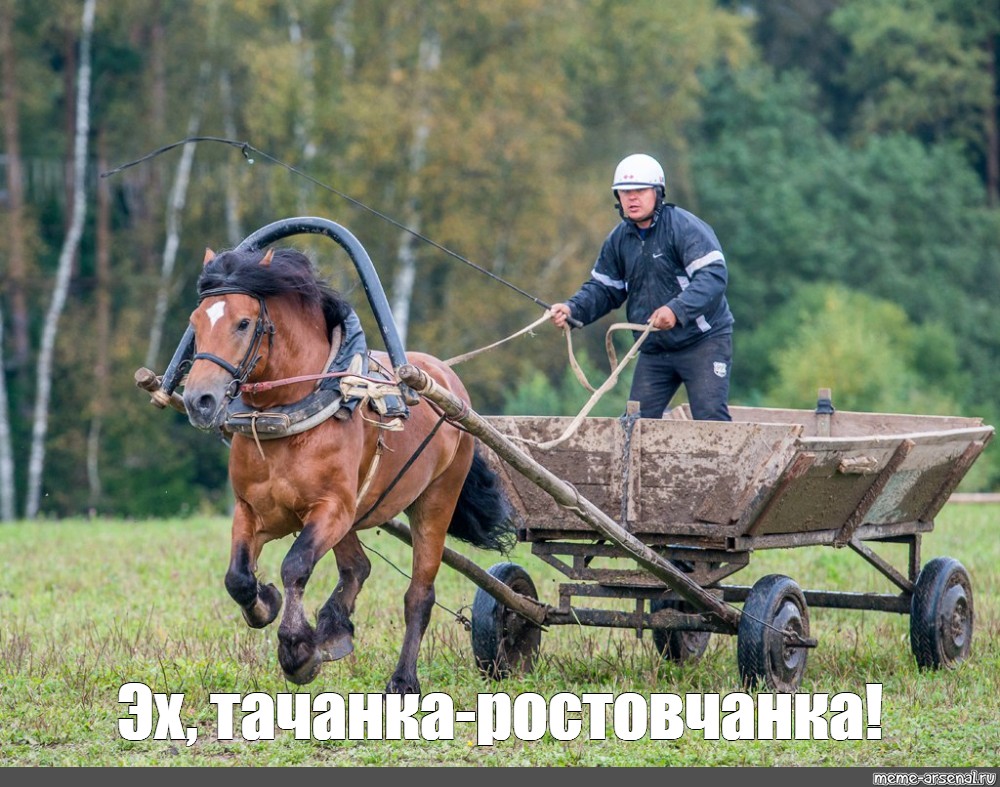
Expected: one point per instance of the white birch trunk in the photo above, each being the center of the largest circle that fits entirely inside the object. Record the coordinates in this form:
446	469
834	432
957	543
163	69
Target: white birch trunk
343	35
6	452
234	229
304	112
178	198
71	243
428	61
102	328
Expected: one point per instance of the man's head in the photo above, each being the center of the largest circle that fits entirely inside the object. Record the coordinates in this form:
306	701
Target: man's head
639	187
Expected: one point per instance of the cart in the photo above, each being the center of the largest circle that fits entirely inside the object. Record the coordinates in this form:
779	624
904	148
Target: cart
687	502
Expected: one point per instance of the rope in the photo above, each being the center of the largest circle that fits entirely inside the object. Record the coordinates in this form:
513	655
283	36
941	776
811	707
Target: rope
374	392
473	353
597	393
466	623
605	387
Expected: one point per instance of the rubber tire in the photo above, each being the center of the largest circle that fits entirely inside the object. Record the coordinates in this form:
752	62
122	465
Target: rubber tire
941	614
775	602
503	642
678	645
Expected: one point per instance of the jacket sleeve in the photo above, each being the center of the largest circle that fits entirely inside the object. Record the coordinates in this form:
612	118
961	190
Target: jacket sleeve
604	291
705	267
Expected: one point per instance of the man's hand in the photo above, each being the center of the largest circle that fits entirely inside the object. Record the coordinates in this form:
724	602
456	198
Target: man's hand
663	318
560	312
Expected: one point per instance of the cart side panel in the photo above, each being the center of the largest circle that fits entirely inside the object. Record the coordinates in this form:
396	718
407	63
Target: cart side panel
846	423
822	497
707	482
653	476
872	480
591	461
702	471
921	486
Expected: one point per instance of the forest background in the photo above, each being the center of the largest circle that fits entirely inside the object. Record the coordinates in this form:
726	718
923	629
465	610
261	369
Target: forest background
845	151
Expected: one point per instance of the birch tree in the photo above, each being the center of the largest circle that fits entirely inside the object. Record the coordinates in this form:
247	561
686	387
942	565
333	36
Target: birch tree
71	244
6	454
15	249
102	337
305	112
234	229
175	209
428	61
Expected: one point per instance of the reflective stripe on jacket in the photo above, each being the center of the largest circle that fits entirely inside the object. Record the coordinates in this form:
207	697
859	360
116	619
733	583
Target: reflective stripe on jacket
679	264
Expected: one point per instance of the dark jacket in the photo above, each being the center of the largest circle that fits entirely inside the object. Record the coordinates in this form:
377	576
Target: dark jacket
678	264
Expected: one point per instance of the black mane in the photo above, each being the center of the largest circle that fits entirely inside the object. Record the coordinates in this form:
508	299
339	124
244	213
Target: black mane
290	273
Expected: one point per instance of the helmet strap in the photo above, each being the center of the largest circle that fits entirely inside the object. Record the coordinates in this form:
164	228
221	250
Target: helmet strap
656	209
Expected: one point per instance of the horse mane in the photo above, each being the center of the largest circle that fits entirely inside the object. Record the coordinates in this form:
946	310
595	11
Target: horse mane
290	272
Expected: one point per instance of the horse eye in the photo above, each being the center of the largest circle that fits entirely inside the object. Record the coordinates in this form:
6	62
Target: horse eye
244	324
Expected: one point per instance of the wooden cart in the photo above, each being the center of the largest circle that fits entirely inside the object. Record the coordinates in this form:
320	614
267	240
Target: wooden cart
687	502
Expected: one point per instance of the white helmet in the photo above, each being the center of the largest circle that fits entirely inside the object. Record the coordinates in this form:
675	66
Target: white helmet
638	171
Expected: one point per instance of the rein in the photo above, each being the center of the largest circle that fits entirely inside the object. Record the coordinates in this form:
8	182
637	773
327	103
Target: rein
389	487
267	385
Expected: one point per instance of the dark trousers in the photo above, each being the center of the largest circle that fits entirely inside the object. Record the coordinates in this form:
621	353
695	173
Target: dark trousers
704	370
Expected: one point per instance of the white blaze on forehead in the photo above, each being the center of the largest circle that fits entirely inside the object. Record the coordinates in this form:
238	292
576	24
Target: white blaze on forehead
215	311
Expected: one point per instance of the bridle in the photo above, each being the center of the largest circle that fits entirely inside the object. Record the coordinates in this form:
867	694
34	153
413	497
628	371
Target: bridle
252	356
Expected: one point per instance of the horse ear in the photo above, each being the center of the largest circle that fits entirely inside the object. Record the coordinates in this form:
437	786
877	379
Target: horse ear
209	256
266	260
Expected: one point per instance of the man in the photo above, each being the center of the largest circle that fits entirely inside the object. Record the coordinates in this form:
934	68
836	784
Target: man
668	265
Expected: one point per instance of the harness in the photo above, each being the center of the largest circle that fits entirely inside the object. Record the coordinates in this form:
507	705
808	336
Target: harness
346	381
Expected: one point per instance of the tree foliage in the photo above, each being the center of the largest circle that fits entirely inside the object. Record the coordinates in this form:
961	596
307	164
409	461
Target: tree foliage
863	348
894	218
846	175
923	65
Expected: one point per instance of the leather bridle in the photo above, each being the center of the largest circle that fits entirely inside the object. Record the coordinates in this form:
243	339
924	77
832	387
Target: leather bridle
263	327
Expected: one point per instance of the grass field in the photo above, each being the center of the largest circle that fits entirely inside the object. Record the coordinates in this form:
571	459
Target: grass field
87	606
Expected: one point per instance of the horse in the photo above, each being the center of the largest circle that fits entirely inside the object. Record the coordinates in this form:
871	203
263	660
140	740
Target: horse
265	328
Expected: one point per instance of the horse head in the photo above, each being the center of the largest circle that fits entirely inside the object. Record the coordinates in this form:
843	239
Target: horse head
244	296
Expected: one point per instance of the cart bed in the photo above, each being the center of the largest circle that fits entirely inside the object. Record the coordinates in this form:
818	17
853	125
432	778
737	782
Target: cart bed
771	478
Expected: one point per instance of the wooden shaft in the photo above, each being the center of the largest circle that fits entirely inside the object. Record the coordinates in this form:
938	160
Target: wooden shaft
566	496
147	380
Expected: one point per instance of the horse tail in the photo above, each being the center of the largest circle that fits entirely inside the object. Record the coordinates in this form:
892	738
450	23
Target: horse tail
484	516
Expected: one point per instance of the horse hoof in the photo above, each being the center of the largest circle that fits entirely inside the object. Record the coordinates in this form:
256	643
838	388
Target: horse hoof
257	617
265	607
300	661
306	673
400	685
337	648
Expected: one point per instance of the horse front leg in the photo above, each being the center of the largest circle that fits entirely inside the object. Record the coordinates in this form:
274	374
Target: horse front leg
334	629
296	641
298	651
259	603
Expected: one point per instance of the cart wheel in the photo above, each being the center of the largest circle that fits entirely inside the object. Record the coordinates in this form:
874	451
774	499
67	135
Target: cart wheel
680	645
775	604
503	642
941	614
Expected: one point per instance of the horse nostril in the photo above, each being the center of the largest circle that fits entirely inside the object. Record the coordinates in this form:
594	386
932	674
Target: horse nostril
205	405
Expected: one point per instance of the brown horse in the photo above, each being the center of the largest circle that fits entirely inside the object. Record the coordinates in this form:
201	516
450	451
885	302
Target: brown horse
264	322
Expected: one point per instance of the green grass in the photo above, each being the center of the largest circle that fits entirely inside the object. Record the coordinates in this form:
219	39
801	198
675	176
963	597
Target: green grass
86	606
